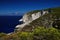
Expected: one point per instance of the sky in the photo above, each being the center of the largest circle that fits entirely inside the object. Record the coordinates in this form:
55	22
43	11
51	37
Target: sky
20	7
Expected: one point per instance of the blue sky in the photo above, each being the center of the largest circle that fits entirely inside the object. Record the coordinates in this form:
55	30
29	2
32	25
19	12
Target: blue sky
15	7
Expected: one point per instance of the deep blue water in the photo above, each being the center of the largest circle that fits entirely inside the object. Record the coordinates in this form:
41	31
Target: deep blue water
8	23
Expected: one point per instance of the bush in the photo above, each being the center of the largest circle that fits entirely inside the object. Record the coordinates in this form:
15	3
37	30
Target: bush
25	36
41	33
2	36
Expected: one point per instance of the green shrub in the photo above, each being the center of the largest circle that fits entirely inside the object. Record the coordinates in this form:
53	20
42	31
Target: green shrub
2	36
25	36
46	34
39	33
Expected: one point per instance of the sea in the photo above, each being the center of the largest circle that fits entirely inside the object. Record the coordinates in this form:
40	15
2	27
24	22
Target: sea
8	23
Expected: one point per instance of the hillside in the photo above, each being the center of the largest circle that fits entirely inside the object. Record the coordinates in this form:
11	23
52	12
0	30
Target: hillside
46	20
46	27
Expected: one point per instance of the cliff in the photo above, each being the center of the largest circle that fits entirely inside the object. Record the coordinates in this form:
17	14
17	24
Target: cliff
44	18
31	16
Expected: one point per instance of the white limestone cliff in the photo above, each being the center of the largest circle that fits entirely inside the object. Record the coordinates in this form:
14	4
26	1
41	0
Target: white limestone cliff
29	18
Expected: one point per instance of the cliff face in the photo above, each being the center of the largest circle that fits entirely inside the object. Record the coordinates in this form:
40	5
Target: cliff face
45	18
28	18
52	19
